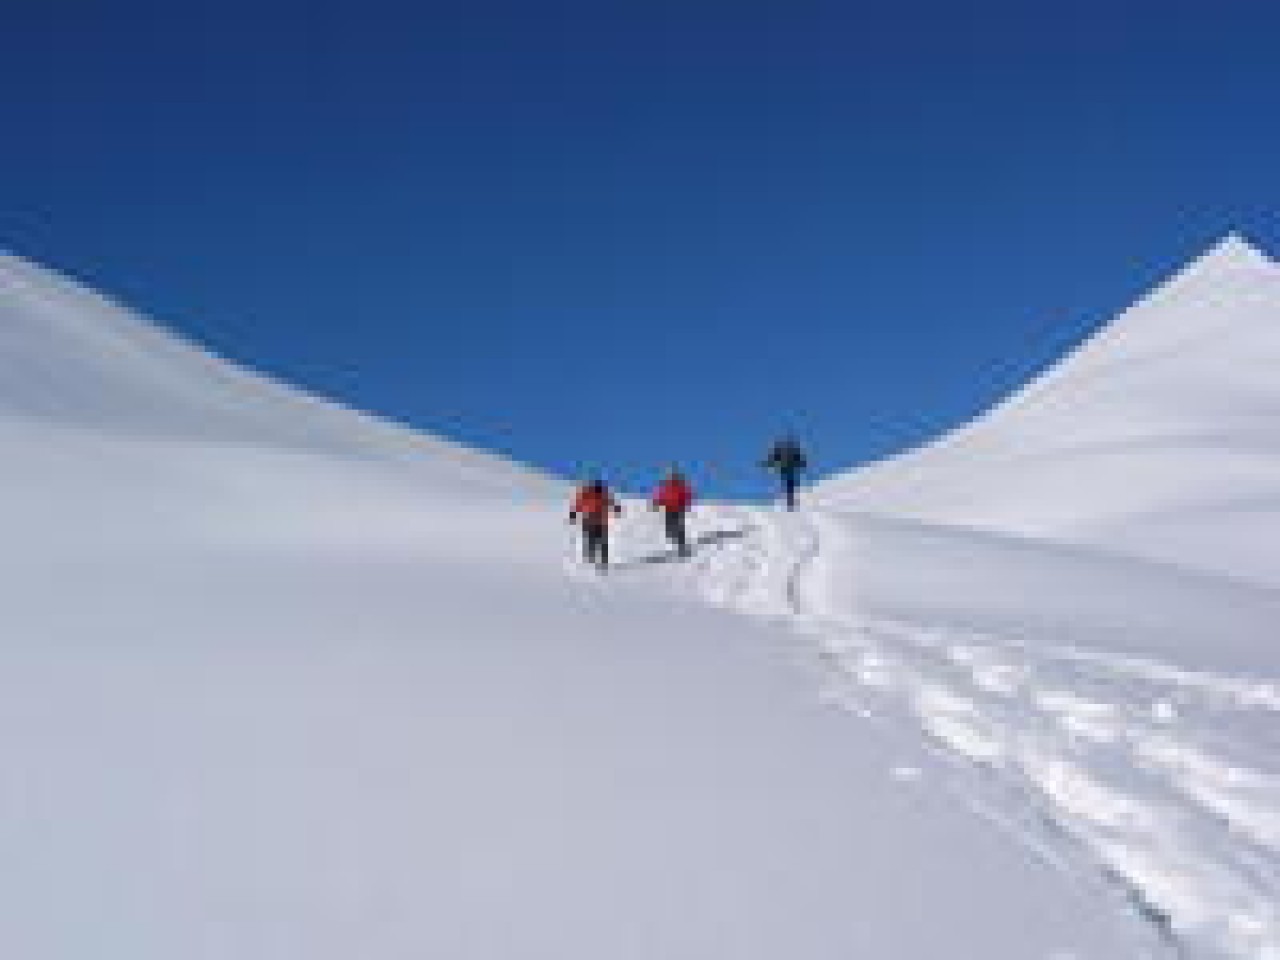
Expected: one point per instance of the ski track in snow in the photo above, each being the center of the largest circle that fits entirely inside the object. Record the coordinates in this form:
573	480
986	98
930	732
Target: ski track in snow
1164	781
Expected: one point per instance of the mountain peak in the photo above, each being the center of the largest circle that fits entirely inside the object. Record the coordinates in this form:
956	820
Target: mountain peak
1231	252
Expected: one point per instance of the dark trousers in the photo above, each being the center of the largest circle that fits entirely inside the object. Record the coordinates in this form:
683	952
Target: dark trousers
595	542
789	480
676	533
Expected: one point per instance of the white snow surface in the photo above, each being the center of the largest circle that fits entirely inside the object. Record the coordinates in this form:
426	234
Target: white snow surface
1156	438
281	680
71	357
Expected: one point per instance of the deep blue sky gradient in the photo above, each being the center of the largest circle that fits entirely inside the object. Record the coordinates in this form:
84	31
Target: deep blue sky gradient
618	234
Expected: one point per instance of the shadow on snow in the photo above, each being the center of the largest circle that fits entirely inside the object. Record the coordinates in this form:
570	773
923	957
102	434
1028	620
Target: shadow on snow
668	556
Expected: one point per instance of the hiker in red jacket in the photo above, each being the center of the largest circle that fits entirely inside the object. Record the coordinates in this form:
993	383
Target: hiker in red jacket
594	504
674	497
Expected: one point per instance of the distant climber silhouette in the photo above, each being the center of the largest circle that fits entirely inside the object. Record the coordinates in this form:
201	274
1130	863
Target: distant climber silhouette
787	458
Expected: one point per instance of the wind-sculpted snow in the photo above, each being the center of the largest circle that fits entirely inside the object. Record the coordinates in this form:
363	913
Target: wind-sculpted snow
1158	437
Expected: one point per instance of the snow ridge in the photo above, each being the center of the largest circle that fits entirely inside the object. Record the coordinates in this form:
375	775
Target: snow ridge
75	359
1154	438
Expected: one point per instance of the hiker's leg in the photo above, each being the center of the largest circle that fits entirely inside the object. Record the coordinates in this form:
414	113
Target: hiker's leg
676	531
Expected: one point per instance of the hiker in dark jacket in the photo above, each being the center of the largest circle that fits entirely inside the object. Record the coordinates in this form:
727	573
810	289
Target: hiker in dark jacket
789	461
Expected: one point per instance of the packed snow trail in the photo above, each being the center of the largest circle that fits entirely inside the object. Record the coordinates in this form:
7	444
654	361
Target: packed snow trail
1163	780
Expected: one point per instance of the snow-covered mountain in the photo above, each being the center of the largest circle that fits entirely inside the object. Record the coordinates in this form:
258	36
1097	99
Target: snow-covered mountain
70	357
281	680
1159	437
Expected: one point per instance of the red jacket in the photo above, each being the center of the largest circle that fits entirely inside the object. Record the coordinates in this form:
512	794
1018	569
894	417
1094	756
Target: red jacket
674	495
594	504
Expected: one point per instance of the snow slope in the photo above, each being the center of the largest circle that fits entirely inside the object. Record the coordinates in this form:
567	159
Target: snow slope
71	357
1157	438
283	681
1076	594
280	681
1160	780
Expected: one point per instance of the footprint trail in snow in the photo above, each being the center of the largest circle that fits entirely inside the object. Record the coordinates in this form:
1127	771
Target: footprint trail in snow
1165	781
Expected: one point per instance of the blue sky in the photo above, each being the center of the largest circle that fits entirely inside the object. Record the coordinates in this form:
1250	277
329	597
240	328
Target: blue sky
618	234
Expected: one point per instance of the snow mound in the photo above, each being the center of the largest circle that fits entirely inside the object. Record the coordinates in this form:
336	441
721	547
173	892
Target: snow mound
1159	437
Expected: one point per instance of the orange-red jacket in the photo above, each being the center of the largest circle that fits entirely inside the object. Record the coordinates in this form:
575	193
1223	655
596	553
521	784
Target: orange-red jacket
674	495
594	504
